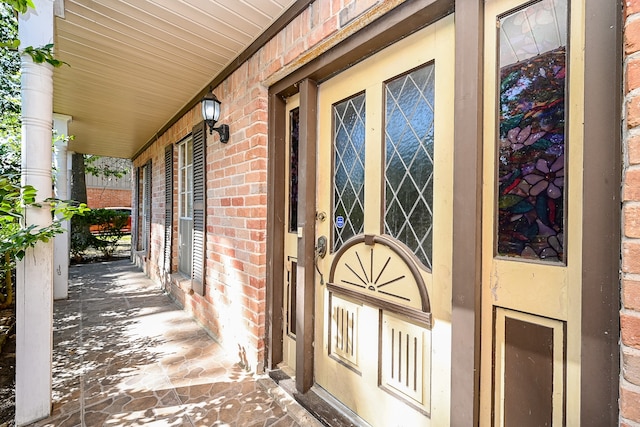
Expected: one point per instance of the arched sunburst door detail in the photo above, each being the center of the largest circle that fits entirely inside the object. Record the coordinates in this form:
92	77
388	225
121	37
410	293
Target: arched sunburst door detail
377	271
374	281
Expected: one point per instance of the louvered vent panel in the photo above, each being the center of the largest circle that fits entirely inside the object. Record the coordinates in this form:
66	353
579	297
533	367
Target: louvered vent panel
135	224
168	206
344	330
404	362
199	207
147	203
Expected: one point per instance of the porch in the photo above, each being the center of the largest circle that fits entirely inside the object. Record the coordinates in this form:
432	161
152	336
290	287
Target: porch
243	266
126	354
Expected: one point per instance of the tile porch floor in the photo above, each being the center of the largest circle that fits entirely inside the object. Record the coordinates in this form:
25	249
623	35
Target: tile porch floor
126	355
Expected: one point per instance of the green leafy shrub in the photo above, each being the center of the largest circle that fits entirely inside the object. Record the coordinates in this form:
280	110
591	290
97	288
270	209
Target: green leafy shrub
15	238
100	229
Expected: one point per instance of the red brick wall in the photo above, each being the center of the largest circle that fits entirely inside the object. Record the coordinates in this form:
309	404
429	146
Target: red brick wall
107	197
630	313
233	307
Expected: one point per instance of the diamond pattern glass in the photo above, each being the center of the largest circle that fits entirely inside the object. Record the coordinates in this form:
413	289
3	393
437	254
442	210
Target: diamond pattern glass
409	161
348	180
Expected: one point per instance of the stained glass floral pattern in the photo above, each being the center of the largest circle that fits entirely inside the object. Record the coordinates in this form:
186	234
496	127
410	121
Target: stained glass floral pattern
531	161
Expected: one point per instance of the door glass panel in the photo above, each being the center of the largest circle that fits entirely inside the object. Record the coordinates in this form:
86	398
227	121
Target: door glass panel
348	182
531	155
409	160
294	121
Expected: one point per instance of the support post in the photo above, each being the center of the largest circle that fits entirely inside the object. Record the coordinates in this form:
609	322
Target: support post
306	279
276	202
467	198
34	278
61	242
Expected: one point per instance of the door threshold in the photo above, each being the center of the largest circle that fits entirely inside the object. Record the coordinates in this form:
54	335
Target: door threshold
318	402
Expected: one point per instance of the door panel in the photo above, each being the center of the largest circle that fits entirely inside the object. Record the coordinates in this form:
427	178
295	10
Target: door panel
343	328
531	241
405	366
529	372
383	292
290	237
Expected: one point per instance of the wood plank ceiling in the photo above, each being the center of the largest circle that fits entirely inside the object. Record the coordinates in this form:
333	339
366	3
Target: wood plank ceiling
135	63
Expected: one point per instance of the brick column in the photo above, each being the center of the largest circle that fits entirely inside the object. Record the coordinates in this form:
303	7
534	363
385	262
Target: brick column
630	313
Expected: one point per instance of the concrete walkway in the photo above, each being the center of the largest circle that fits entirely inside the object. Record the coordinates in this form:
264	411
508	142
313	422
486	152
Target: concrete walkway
126	355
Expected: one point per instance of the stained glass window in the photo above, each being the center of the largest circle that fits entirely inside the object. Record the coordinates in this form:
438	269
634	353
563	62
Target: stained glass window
531	154
348	182
294	122
409	160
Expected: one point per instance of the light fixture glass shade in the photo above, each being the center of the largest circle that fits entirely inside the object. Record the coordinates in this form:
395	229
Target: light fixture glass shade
211	114
210	108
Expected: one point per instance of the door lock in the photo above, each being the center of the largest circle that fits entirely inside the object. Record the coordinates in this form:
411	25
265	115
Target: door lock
321	251
321	247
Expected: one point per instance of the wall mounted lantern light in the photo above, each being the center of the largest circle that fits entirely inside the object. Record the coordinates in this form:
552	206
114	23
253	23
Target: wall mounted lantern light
211	114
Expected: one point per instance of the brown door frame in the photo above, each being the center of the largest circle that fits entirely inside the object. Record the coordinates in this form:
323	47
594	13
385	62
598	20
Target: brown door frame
467	208
601	226
600	327
276	199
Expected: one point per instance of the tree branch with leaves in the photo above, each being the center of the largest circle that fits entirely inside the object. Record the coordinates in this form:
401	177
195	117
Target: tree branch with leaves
39	54
15	238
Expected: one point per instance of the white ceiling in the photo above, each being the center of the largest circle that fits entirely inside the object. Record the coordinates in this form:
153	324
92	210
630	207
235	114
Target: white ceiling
133	64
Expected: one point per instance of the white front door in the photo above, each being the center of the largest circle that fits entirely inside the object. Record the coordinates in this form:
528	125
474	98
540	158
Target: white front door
383	293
